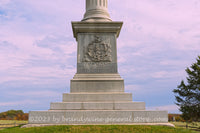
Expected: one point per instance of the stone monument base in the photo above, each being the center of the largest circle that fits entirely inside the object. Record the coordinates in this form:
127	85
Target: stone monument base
71	117
97	108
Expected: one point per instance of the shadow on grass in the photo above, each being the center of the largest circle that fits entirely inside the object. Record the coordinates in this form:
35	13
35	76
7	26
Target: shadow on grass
193	128
11	126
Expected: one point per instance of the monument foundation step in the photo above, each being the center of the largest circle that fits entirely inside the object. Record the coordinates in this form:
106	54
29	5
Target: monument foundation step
78	86
97	117
96	97
98	106
97	83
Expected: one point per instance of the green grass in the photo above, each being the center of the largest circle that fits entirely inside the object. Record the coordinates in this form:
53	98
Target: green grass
97	129
11	123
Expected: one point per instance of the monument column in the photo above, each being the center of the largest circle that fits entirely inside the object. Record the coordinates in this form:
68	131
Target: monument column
96	10
97	91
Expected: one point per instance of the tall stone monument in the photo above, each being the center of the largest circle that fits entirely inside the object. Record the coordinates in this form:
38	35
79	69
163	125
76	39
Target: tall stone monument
97	91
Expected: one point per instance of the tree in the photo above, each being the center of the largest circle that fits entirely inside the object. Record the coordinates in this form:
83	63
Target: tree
14	115
188	95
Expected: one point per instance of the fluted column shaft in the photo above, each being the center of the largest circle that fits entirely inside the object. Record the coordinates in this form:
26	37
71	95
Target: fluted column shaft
96	10
96	4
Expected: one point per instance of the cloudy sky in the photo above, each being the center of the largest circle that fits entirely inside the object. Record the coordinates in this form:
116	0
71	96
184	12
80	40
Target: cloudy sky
159	39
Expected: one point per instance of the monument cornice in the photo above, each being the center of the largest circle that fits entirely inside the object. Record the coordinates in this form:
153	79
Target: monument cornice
96	27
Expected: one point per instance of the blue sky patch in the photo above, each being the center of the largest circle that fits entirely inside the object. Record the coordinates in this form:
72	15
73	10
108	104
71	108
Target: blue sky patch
2	12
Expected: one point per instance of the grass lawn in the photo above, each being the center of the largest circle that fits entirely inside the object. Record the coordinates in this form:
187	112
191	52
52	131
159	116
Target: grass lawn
98	129
8	127
192	126
11	123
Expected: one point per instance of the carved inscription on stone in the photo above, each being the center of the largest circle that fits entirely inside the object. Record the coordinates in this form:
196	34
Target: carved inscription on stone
98	51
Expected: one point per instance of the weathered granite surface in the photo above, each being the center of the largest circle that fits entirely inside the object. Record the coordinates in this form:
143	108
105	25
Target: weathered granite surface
98	106
97	117
96	83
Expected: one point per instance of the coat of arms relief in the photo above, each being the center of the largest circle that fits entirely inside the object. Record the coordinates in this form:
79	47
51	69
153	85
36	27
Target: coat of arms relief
98	51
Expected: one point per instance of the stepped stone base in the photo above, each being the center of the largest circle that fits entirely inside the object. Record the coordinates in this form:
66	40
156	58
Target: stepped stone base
97	83
96	97
96	117
98	106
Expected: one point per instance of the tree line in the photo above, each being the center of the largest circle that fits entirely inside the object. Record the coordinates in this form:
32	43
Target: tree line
14	115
